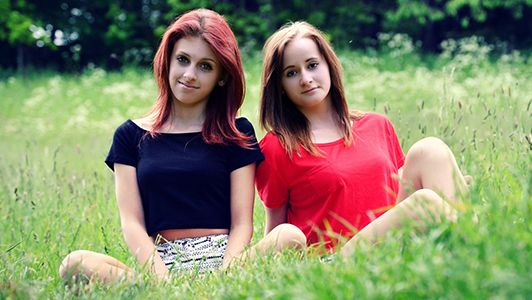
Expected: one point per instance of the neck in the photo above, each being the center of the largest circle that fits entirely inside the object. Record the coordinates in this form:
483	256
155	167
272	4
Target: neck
320	116
186	119
324	125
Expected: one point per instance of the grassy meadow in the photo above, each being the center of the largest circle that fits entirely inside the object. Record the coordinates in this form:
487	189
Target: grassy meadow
57	195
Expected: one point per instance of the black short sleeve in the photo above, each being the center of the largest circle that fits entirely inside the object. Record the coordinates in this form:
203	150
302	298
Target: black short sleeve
125	147
241	157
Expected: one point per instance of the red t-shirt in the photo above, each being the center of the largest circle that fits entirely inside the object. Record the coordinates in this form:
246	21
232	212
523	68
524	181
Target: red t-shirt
340	193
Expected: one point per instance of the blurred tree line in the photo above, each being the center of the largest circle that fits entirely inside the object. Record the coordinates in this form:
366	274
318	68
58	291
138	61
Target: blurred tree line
70	34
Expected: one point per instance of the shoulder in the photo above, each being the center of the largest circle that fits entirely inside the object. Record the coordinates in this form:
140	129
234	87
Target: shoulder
271	146
128	126
128	131
145	123
372	118
243	125
274	153
269	140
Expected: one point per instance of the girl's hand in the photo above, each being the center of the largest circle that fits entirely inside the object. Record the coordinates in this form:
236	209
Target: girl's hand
468	179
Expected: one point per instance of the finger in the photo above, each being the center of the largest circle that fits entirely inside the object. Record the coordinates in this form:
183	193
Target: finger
468	179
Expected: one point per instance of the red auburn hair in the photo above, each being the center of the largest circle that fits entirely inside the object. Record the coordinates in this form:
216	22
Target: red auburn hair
224	101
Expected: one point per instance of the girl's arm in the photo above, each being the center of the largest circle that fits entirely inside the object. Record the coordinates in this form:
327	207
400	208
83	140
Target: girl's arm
137	239
242	198
275	217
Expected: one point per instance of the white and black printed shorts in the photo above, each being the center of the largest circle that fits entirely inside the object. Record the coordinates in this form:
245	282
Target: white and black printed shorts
201	254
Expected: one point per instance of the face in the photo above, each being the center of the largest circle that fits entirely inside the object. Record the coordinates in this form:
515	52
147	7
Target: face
305	75
194	71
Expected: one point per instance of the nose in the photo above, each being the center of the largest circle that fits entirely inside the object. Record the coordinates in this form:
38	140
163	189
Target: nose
306	79
190	73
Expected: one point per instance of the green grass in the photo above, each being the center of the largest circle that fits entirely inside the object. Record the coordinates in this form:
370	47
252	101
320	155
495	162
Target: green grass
57	195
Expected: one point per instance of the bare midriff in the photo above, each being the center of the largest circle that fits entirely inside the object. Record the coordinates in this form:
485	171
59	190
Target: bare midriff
177	234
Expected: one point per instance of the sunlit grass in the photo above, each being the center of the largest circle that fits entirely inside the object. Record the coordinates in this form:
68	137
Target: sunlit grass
57	195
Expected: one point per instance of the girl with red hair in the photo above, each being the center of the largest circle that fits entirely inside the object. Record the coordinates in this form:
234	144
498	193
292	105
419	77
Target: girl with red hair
184	172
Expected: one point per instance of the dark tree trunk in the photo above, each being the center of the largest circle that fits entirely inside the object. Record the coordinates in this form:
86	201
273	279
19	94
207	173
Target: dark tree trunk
432	37
20	60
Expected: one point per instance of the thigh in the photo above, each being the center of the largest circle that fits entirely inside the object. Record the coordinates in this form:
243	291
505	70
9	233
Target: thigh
421	208
430	164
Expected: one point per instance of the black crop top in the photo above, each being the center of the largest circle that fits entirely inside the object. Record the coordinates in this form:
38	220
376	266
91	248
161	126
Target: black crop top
183	182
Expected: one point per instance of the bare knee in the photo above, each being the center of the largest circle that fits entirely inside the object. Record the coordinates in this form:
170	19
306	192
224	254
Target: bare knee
429	146
73	263
289	236
431	164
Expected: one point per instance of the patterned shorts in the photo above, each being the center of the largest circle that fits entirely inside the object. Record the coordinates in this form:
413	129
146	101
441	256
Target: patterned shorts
201	254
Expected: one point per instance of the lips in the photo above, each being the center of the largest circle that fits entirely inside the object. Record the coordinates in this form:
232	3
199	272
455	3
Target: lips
309	90
187	87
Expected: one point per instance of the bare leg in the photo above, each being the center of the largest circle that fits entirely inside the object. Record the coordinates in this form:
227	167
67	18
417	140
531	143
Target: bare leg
423	206
91	266
281	237
430	164
431	187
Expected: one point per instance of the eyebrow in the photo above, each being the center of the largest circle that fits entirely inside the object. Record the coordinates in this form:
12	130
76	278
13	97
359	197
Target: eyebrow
309	59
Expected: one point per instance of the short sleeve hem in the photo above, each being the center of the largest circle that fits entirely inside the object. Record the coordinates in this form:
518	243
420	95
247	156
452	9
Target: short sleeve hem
124	149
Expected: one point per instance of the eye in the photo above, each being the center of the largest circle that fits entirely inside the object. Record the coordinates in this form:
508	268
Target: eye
182	59
313	65
206	66
291	73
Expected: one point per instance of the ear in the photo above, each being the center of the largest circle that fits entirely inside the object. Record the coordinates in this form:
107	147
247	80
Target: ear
223	79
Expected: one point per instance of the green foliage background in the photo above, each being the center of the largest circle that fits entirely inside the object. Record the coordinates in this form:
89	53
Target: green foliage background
68	35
